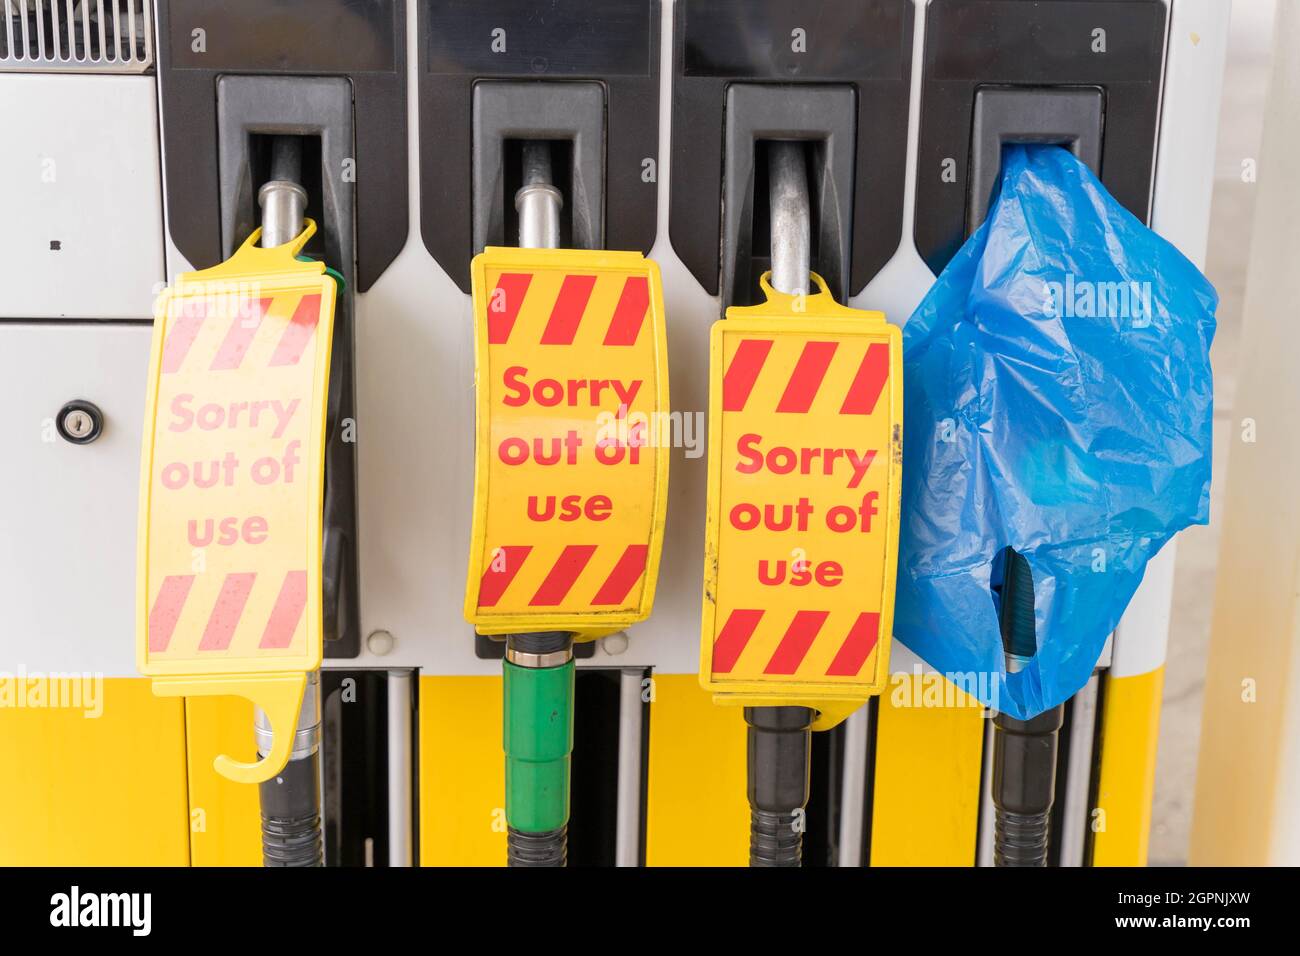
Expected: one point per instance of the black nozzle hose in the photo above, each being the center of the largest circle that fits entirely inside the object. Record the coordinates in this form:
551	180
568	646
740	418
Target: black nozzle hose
1024	751
547	849
291	830
1024	787
780	755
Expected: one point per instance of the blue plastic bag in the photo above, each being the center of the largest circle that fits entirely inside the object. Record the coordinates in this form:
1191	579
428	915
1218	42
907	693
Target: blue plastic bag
1058	400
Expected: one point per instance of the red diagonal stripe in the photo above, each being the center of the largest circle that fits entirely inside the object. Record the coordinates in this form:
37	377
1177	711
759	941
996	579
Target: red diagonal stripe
181	333
494	583
629	569
296	335
629	314
248	316
742	373
868	382
794	645
733	637
853	652
562	326
287	611
807	377
167	607
565	571
227	611
504	305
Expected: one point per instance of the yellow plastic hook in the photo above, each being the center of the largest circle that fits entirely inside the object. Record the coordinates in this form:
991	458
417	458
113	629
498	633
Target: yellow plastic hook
279	695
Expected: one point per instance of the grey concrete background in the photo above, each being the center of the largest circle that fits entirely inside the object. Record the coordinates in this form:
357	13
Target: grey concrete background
1240	127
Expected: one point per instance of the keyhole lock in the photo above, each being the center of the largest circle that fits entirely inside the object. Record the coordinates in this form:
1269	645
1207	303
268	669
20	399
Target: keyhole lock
79	422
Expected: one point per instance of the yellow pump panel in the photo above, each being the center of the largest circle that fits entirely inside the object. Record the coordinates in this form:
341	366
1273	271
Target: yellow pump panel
697	813
570	477
225	819
1126	781
95	789
231	487
696	810
929	756
462	772
805	456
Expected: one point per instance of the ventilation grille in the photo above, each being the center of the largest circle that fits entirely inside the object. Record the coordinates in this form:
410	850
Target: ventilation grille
76	36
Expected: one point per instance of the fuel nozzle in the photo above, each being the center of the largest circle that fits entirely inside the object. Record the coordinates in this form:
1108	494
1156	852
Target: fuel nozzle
780	738
537	201
1024	751
538	669
538	740
791	216
290	801
779	766
291	814
282	198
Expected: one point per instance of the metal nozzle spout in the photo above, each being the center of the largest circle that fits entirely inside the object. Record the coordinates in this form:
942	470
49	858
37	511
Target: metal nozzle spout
283	200
537	201
788	202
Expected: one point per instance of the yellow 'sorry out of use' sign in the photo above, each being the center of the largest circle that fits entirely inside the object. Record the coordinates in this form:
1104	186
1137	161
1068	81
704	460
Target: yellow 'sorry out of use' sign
805	446
232	475
571	472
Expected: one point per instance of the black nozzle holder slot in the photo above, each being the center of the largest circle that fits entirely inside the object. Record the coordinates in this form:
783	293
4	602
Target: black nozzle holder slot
780	762
507	111
1070	118
591	71
854	54
303	106
826	118
299	42
1037	72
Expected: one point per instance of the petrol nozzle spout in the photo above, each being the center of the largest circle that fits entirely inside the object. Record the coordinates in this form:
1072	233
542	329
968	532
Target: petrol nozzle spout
282	198
1024	751
537	201
790	215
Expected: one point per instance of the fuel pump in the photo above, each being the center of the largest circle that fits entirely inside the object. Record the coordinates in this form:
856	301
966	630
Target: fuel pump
550	315
1024	759
1108	110
780	738
290	801
538	670
802	516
